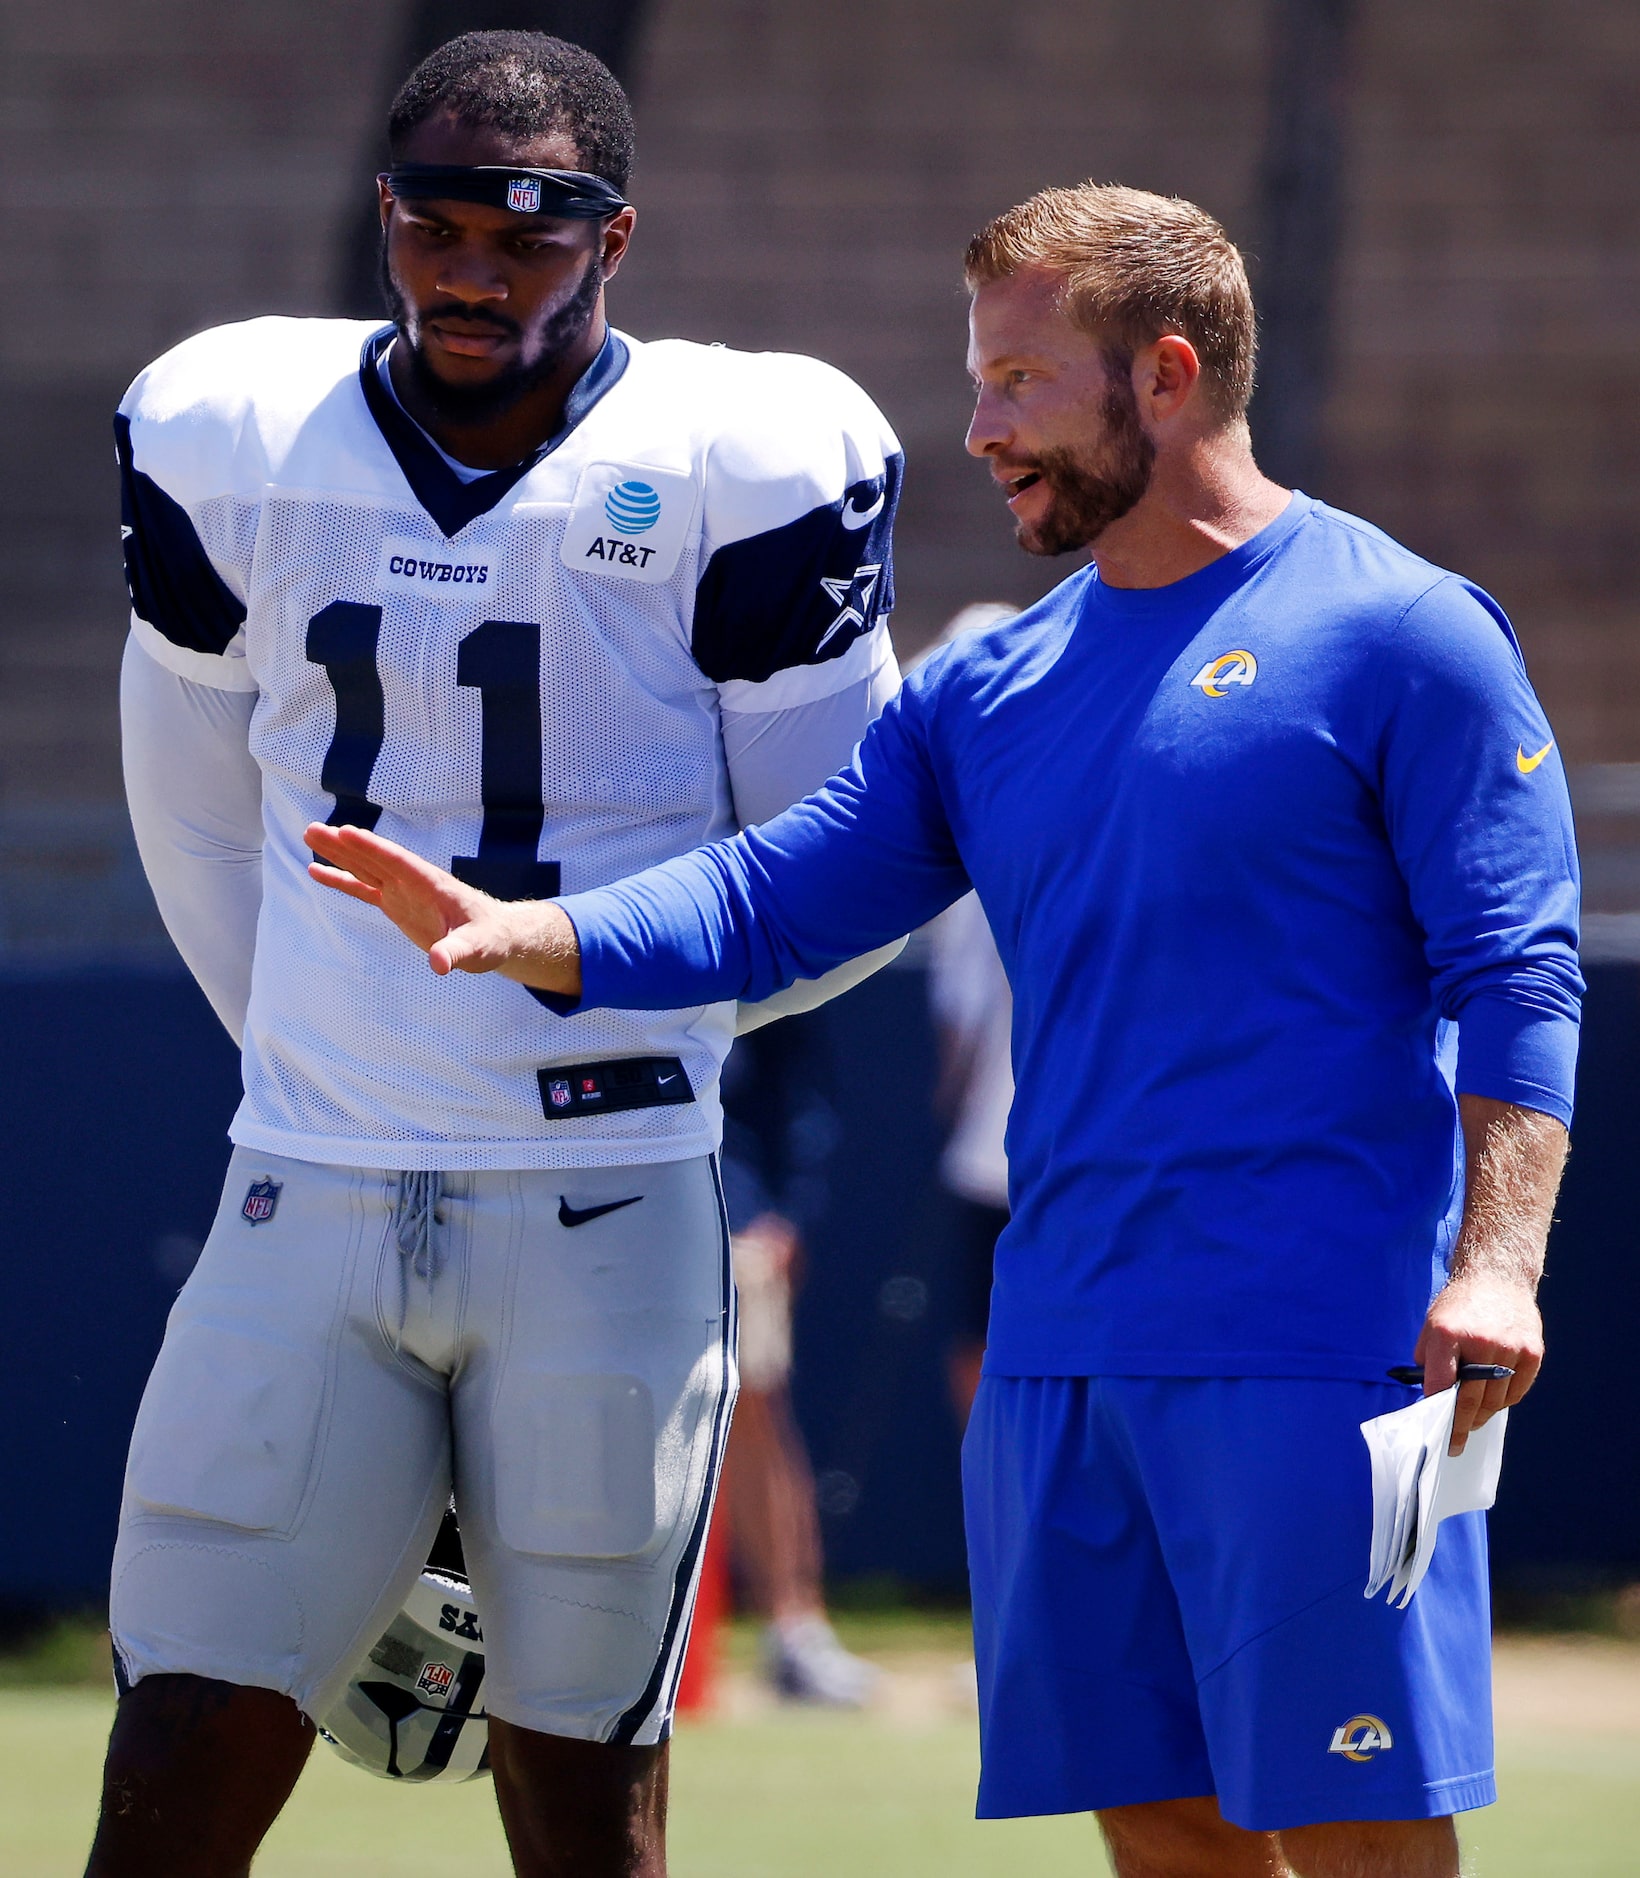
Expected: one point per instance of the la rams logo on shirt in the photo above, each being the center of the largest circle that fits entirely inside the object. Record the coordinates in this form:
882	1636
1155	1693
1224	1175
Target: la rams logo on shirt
1361	1737
1229	668
628	523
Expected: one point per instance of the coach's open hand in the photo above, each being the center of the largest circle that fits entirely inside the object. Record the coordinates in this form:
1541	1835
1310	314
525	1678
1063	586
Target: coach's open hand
459	928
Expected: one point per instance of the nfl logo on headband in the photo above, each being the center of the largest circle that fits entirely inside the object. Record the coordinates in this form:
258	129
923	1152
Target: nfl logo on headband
524	194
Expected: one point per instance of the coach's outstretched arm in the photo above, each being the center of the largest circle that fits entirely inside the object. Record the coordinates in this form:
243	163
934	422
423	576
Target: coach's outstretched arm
863	861
458	927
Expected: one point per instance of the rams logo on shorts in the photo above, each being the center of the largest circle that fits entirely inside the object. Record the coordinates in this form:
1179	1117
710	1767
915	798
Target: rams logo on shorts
1229	668
1361	1737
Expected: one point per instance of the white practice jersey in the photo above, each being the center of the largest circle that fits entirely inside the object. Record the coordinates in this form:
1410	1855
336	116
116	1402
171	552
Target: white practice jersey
528	677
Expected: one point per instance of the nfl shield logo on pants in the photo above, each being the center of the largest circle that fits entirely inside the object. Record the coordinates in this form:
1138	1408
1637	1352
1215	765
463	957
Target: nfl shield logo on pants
261	1198
524	194
558	1094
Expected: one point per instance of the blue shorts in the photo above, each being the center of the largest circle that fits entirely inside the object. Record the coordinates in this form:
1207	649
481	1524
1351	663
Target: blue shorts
1167	1579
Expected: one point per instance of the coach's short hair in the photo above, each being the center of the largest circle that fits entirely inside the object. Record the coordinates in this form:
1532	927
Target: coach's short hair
1135	267
525	85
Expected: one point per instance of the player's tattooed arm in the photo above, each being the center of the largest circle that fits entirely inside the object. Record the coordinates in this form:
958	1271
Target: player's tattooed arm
1487	1312
459	928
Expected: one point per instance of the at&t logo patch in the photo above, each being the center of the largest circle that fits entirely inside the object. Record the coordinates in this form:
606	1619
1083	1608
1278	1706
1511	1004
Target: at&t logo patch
629	523
1361	1737
633	508
1229	668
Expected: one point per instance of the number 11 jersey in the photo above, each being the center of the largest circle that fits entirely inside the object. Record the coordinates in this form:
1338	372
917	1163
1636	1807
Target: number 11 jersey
523	676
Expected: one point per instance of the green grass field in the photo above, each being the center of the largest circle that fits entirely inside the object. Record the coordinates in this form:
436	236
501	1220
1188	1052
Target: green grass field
777	1793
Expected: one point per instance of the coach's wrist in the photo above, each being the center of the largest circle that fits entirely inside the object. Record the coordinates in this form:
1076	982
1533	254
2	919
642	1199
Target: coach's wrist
536	945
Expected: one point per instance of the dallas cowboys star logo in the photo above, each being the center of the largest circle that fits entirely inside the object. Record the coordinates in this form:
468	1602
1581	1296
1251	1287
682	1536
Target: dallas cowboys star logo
853	597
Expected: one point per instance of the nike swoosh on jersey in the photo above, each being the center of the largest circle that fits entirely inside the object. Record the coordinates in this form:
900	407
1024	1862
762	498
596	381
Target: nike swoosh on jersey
579	1215
1526	764
853	518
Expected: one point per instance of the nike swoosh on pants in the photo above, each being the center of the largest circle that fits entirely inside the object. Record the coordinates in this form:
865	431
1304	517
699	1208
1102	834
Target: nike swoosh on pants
579	1215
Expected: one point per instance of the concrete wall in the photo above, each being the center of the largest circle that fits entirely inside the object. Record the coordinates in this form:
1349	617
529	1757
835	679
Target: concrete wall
808	176
164	165
1490	324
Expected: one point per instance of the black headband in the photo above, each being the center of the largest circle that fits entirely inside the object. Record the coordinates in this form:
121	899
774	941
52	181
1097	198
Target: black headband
573	195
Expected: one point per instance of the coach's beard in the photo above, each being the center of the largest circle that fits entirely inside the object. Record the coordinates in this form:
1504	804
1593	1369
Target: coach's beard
1086	497
465	405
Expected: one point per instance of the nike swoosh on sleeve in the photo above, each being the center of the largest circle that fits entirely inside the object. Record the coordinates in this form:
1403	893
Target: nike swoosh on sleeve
1526	764
853	518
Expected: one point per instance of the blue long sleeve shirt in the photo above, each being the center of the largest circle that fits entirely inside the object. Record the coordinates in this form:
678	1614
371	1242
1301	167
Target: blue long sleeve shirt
1253	846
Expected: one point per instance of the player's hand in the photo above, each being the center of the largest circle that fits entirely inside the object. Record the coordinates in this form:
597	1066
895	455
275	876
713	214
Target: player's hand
458	927
1481	1317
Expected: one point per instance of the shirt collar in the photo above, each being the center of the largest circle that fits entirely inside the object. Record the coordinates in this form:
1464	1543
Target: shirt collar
451	501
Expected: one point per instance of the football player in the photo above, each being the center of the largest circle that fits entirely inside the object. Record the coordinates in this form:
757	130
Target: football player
547	605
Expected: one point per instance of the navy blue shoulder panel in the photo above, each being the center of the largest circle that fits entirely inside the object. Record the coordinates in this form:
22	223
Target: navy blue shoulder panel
801	594
173	584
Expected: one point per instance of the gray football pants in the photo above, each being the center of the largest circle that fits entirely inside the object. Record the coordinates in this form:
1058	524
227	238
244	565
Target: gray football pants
559	1346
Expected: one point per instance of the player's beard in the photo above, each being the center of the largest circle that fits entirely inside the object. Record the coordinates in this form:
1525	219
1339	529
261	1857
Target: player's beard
1087	494
465	405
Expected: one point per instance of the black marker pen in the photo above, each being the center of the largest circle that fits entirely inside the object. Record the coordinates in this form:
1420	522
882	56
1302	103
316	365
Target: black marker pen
1412	1374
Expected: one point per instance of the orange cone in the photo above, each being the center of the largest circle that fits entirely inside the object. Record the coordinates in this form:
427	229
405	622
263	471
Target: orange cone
703	1659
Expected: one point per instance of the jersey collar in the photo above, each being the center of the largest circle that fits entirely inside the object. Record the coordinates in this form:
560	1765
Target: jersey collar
450	502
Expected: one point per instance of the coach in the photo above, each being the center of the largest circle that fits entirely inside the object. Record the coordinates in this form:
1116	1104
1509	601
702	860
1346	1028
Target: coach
1276	847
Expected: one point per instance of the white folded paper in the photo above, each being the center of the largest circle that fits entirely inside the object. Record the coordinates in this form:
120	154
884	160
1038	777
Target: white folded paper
1416	1484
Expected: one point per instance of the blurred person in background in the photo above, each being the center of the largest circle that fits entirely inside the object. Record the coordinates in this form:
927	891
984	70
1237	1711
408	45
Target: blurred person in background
973	1011
779	1135
973	1015
1269	826
533	594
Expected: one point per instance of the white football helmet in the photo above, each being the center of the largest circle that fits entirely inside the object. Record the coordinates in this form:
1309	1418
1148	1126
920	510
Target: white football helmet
414	1708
